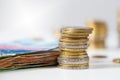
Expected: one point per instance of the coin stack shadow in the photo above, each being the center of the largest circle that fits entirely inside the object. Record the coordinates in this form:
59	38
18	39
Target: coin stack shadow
98	37
73	44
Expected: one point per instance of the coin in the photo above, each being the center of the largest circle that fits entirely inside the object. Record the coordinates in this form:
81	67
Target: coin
71	40
81	56
78	46
72	50
75	36
73	60
73	53
116	60
76	30
68	62
74	67
97	44
73	44
99	34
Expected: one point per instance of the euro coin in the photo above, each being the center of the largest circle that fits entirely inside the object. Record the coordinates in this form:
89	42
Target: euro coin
71	40
73	60
72	50
116	60
77	65
75	36
74	67
76	30
81	56
73	44
79	46
99	28
73	53
68	62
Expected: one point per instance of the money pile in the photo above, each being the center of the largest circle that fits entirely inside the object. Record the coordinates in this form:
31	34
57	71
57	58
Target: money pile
73	44
99	34
29	60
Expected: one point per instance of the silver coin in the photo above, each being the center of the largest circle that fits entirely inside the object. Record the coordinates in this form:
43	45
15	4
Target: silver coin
68	62
73	59
74	68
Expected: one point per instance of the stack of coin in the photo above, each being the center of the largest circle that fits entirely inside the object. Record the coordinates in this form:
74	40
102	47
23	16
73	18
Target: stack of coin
119	26
99	34
73	44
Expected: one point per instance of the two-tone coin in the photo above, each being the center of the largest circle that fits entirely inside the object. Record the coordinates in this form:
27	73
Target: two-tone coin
74	67
81	56
73	53
73	60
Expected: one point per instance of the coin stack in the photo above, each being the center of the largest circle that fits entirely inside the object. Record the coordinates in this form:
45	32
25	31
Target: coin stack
119	26
99	34
73	44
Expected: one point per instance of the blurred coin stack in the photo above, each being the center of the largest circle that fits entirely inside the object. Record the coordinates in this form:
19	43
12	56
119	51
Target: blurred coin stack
98	37
119	26
73	44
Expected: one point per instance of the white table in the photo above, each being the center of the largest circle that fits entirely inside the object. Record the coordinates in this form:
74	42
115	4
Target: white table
99	70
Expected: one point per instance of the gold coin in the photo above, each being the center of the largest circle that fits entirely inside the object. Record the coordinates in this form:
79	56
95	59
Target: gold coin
99	28
84	64
73	59
75	36
74	67
80	46
116	60
72	50
97	44
73	53
73	44
76	30
70	40
81	56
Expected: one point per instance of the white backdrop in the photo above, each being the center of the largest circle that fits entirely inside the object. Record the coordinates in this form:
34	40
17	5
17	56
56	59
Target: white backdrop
39	18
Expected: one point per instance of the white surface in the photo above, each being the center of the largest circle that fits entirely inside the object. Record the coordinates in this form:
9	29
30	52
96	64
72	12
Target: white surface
60	74
99	70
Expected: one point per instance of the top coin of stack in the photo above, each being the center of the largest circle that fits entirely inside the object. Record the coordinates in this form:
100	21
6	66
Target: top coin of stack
99	34
73	44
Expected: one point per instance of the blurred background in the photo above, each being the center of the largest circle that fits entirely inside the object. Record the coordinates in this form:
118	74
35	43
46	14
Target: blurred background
20	19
